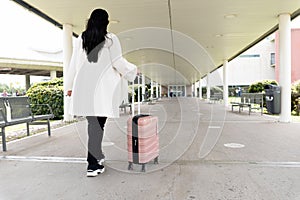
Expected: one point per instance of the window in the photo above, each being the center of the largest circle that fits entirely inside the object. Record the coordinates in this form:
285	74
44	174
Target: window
272	59
250	56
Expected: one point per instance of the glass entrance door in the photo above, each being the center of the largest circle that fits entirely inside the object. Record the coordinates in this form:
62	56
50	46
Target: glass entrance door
176	90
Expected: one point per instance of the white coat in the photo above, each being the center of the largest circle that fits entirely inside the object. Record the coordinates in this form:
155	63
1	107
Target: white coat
97	89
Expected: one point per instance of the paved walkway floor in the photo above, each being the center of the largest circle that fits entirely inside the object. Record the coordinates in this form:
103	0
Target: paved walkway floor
206	152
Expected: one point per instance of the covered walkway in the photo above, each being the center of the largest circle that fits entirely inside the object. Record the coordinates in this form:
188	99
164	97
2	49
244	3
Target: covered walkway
206	151
222	155
176	43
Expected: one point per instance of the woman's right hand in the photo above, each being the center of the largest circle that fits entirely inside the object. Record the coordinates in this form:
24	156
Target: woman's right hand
69	93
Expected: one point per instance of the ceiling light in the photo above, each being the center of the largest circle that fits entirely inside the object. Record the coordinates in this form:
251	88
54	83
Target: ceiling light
232	35
230	16
113	21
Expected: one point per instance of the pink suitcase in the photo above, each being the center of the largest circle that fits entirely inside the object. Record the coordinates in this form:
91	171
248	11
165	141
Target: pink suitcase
142	140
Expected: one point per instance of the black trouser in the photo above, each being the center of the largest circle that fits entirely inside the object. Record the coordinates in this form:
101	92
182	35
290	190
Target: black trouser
95	136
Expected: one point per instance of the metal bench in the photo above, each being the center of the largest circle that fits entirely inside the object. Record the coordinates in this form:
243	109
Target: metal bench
252	101
17	110
123	106
216	97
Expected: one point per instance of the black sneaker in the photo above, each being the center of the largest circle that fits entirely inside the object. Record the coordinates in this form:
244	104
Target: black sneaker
94	170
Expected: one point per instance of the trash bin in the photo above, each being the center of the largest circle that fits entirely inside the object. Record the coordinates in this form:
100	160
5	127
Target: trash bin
273	99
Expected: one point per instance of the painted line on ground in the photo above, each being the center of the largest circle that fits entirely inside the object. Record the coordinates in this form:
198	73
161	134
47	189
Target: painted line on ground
52	159
43	159
286	164
214	127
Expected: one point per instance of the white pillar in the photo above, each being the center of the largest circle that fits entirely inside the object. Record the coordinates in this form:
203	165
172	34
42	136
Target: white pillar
193	89
67	54
151	96
160	91
200	89
208	85
225	83
156	90
53	75
27	82
196	92
143	88
285	66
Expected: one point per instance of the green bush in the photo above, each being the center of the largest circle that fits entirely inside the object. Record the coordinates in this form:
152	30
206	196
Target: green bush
260	86
50	92
296	97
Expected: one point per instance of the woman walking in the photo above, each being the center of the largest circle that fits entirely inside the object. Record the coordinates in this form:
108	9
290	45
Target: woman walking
94	83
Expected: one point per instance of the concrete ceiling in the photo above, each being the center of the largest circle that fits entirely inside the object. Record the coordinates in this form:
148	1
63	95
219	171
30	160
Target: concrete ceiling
205	32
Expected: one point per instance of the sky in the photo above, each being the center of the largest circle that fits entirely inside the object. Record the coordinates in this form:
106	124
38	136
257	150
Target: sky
22	30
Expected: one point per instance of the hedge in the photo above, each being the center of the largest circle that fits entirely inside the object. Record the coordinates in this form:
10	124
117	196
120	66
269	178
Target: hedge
50	92
260	86
296	97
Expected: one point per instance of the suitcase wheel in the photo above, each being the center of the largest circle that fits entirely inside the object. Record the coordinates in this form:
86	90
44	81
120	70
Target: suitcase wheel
143	167
156	160
130	166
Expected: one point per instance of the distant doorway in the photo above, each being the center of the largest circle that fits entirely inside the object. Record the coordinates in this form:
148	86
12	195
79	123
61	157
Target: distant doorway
176	91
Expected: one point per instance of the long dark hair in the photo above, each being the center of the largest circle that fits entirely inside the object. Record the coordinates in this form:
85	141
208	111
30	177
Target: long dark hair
94	36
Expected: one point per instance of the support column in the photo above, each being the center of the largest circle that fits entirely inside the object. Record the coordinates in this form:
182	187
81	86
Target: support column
67	54
195	88
151	96
285	66
53	75
208	86
160	91
156	90
27	82
143	88
200	89
225	83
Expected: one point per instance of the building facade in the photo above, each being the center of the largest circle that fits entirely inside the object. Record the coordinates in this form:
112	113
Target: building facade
256	64
295	55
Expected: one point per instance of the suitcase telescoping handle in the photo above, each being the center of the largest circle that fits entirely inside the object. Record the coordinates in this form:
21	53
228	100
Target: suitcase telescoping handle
132	99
